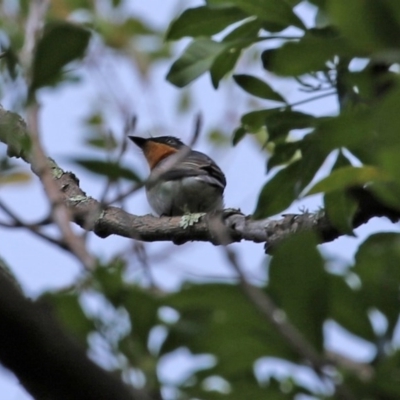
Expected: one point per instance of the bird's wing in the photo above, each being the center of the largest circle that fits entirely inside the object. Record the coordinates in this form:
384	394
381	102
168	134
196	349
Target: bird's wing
199	165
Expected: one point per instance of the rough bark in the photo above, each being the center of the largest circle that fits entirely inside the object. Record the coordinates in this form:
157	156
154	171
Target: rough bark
229	227
49	363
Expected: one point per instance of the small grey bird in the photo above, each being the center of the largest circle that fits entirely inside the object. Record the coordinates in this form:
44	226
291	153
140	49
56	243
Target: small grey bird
192	184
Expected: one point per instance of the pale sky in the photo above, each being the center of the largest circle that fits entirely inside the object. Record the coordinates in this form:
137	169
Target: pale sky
39	266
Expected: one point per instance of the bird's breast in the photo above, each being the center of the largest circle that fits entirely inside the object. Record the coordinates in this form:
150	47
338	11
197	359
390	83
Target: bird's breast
185	195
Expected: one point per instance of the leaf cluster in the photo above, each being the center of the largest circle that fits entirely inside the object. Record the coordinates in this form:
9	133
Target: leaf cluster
323	59
146	328
350	52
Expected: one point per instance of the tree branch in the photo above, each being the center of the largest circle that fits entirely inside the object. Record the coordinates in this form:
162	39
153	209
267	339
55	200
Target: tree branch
59	212
91	215
48	363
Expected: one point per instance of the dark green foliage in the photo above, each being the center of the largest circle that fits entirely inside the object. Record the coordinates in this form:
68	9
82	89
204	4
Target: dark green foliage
297	279
257	87
217	319
60	44
320	45
376	265
203	21
112	170
198	58
368	128
339	206
69	312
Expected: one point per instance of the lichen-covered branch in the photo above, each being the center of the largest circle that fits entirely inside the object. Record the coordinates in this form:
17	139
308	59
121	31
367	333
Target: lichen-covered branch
230	227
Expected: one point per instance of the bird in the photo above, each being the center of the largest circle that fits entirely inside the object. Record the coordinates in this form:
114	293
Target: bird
182	181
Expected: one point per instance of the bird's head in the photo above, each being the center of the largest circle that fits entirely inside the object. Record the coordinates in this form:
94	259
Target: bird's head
157	148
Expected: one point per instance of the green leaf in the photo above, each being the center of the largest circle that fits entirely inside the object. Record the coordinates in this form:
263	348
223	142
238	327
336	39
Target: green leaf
237	40
61	43
283	154
346	177
279	192
280	122
388	159
339	205
241	387
13	132
69	312
273	27
120	35
377	265
353	130
388	193
196	59
135	27
247	30
224	63
218	138
384	381
203	21
215	318
276	11
366	132
142	308
7	272
102	142
257	87
109	280
112	170
341	208
204	54
319	3
309	54
369	25
238	135
11	61
296	279
254	120
293	2
76	4
386	121
14	177
185	101
355	318
285	187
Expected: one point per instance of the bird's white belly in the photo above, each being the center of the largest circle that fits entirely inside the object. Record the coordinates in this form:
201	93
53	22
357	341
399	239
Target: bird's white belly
188	195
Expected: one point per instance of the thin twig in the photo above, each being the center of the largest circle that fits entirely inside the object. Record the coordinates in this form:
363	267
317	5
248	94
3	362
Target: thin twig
39	162
141	254
60	214
310	99
198	123
34	228
38	233
34	24
267	307
280	37
18	223
129	128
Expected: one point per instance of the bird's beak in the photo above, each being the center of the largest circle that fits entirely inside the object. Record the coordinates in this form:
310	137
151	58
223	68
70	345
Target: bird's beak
139	141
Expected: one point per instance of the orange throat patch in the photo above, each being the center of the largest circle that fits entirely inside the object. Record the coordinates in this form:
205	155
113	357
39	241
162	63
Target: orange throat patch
155	152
